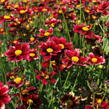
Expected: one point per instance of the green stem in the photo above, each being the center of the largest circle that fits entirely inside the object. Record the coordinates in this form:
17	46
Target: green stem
66	25
75	83
66	78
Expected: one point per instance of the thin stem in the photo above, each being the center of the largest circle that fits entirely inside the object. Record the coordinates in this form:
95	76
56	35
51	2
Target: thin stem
67	29
66	78
75	83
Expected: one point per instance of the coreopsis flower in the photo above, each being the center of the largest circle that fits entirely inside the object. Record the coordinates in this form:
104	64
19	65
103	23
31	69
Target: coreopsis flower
100	105
11	75
46	77
33	40
18	52
93	38
69	101
44	33
16	81
3	1
49	49
23	10
105	105
14	41
53	22
33	55
16	22
83	29
95	60
4	97
30	97
44	9
88	107
103	7
62	43
73	57
5	18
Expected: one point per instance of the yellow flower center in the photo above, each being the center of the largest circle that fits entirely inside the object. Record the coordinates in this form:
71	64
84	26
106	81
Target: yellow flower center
44	10
94	17
78	6
2	1
46	34
75	59
30	101
32	38
16	6
94	60
27	27
7	17
60	11
32	54
93	0
99	101
14	41
17	80
52	24
18	52
24	92
63	66
45	75
62	46
53	62
23	11
85	28
87	10
12	77
24	1
49	50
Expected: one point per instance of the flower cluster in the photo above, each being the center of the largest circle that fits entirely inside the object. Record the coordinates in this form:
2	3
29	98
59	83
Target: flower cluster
4	97
49	48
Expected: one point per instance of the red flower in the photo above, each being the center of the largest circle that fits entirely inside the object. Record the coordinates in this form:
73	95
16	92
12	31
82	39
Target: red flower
18	52
3	1
46	77
23	10
29	96
69	101
32	40
88	107
73	57
5	18
95	60
101	105
33	55
105	105
16	81
62	43
44	9
49	49
4	97
82	29
52	22
44	33
94	37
